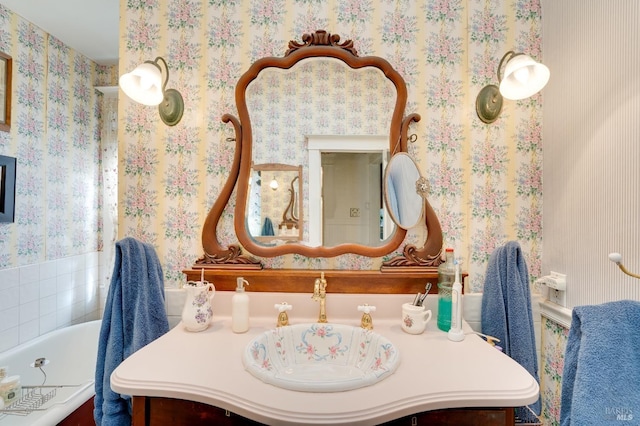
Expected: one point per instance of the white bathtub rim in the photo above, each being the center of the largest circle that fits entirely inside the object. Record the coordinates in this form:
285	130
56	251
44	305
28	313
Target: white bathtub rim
58	412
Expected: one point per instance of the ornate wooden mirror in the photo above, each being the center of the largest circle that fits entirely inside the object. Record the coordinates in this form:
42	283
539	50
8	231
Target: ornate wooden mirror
319	66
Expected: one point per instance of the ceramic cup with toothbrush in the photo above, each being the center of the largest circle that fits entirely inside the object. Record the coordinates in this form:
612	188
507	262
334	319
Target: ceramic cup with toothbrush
414	318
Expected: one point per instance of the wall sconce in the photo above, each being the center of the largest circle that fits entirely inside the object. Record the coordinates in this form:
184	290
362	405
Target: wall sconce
144	85
523	77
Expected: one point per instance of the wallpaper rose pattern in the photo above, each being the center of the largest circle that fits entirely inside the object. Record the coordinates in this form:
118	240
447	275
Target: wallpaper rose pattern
554	343
486	179
55	135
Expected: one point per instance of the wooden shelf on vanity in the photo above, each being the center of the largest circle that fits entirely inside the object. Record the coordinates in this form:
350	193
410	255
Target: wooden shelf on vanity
399	281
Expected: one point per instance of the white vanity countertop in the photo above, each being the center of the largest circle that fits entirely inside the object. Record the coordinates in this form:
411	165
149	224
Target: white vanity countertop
434	373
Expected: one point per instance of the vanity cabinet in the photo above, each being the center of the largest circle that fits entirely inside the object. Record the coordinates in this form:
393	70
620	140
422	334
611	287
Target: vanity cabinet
155	411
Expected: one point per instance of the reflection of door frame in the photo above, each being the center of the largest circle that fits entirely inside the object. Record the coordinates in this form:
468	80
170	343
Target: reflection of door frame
316	145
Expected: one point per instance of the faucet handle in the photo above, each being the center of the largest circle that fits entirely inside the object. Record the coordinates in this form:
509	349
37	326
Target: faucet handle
366	322
283	318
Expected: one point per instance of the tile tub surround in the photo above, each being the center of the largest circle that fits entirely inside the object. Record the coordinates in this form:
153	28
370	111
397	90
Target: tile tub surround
499	382
38	298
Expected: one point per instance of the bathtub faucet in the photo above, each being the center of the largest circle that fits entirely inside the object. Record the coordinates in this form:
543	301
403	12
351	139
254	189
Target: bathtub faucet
320	294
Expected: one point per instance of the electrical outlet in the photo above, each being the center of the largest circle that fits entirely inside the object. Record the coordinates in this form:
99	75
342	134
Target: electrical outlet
559	297
354	212
557	284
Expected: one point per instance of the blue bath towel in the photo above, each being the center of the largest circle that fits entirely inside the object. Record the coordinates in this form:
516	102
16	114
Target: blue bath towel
134	315
506	313
601	376
267	228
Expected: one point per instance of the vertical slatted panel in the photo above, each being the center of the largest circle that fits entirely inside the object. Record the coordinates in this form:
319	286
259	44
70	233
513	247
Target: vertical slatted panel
592	146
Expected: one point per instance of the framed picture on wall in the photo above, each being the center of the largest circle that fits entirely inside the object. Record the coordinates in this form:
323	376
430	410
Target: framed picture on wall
7	188
5	92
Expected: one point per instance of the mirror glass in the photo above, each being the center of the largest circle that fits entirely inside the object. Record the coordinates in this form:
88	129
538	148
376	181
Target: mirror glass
274	203
404	191
324	97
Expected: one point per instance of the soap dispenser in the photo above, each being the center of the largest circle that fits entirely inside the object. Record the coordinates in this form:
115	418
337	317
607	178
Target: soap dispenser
240	308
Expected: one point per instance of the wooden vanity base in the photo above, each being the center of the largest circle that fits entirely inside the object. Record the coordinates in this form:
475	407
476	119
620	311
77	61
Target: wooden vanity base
155	411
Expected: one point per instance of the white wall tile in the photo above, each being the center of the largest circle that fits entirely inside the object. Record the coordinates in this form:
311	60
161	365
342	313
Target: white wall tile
9	298
9	318
48	269
65	282
174	301
29	330
48	305
92	260
29	274
29	292
64	299
48	287
65	266
36	299
77	310
9	278
48	322
29	311
9	338
63	316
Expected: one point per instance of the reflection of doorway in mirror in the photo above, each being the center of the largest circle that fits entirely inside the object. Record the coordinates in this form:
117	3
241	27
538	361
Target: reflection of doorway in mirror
351	198
354	219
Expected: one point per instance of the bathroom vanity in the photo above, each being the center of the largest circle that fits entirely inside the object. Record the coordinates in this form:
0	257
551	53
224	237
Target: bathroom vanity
186	378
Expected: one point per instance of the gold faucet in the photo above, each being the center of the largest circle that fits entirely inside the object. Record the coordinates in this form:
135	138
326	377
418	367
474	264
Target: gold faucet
320	294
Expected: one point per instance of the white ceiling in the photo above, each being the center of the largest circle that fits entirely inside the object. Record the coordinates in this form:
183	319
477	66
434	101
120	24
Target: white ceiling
88	26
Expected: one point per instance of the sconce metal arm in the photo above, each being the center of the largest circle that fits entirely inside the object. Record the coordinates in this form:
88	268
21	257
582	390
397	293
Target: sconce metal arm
506	58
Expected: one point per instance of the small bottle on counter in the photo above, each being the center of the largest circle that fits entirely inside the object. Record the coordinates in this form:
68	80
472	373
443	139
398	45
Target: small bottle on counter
240	308
446	276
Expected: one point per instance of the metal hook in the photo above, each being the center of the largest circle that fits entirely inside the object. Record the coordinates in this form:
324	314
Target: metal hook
617	259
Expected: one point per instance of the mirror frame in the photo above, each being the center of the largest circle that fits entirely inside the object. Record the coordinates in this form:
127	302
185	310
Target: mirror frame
318	44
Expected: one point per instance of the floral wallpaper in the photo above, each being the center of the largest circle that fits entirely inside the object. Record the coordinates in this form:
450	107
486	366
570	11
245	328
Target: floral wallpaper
486	179
554	342
55	136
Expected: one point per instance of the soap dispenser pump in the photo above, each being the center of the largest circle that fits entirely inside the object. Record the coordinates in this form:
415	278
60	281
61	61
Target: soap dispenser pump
240	308
455	332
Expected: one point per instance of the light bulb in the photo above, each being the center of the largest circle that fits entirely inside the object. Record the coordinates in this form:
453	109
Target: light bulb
522	75
274	184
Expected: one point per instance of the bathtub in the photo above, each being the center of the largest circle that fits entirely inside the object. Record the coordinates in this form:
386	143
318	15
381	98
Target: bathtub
71	352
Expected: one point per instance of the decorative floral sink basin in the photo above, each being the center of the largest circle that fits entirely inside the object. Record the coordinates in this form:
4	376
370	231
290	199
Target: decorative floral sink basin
321	357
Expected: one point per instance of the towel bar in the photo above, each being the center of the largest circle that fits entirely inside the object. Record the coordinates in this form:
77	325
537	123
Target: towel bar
617	259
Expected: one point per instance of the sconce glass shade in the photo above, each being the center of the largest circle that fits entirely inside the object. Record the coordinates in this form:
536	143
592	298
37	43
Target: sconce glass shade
145	85
523	77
